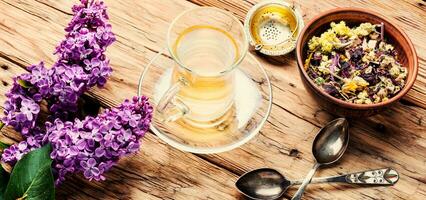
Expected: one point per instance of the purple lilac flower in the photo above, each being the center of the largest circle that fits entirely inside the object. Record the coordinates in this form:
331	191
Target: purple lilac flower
28	109
21	108
81	65
90	169
16	151
93	145
79	68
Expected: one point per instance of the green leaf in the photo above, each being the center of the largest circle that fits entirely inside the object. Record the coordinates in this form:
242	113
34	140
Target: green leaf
3	145
1	125
32	177
24	84
4	178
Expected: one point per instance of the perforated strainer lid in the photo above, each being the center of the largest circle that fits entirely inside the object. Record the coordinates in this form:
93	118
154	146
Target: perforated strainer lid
273	27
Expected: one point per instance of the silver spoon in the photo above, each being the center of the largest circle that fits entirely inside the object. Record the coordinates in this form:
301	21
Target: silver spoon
328	147
268	184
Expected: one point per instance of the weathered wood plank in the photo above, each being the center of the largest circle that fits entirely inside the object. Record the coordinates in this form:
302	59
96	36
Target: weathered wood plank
285	141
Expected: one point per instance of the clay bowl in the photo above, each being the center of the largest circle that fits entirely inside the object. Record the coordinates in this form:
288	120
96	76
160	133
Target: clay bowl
353	17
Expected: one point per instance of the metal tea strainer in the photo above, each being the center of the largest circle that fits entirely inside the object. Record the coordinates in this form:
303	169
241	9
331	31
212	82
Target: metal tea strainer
273	26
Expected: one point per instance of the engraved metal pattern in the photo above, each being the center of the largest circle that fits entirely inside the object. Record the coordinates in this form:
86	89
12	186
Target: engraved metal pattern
385	176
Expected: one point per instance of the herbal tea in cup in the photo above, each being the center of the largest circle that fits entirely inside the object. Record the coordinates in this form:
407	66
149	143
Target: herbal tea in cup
206	45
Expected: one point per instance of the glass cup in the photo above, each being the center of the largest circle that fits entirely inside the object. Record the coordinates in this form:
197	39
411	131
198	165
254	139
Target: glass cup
209	94
207	44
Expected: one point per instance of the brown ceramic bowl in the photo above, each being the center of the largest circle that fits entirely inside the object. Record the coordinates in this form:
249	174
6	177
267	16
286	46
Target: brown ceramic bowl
353	17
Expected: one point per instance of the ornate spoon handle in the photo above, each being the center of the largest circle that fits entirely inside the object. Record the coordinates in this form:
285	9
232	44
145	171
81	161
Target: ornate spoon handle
384	176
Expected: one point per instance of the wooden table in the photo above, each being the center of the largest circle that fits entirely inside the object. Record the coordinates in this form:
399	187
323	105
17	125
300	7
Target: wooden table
30	29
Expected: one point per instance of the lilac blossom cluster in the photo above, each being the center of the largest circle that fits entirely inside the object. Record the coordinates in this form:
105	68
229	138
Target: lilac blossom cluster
81	65
90	146
93	145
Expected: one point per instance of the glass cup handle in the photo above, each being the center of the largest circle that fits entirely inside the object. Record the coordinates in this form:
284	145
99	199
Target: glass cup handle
170	106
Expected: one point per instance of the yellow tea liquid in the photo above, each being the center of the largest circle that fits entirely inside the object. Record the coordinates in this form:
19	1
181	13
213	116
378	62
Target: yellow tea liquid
207	53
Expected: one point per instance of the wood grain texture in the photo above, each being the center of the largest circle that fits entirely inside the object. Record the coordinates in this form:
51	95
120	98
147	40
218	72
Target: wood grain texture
396	138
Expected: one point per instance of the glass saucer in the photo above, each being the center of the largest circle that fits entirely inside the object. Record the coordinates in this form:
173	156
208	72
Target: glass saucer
252	105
